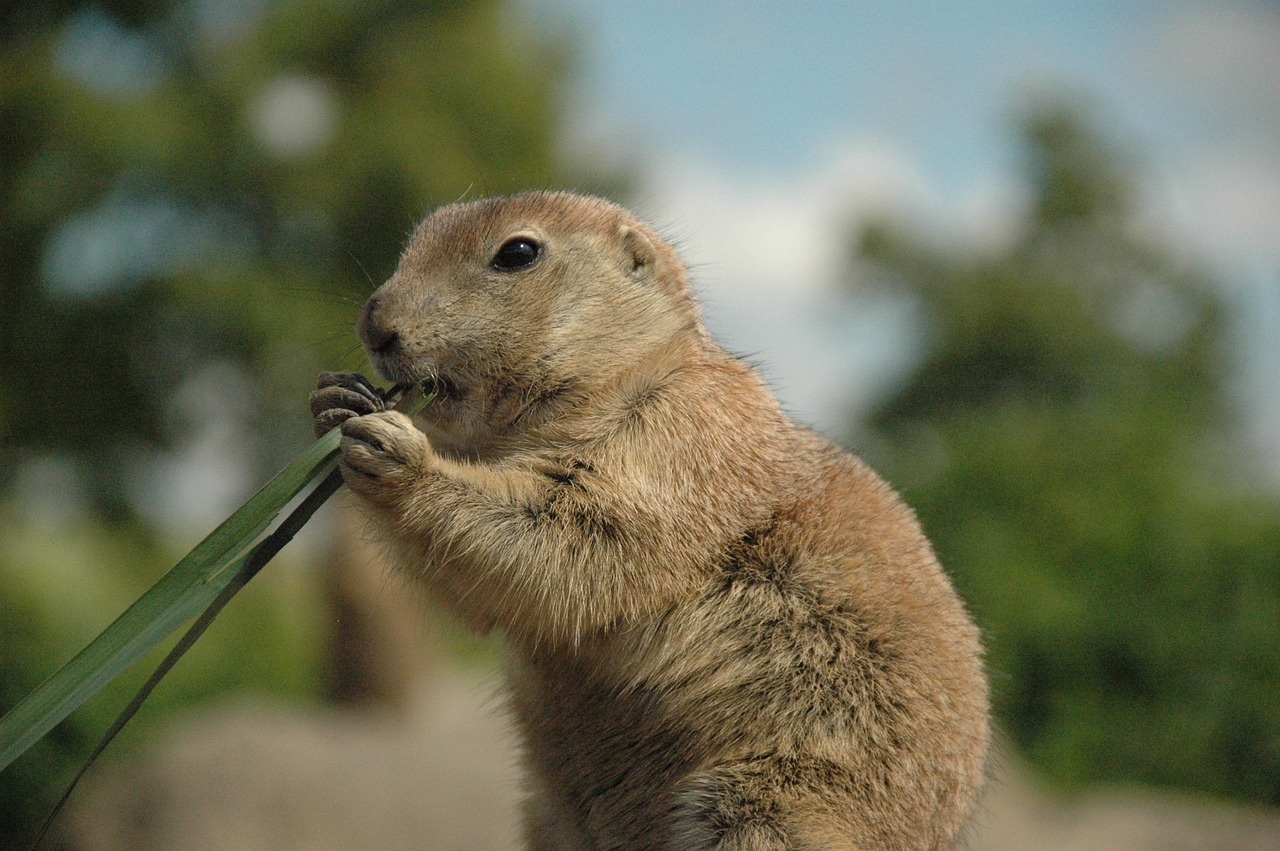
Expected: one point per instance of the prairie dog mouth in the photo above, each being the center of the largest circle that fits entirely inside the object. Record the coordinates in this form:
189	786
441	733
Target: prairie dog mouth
433	385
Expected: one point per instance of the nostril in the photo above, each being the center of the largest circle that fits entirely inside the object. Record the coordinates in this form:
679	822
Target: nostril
376	336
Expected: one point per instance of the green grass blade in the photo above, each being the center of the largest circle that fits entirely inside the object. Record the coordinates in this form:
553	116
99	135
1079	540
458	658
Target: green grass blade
181	594
241	571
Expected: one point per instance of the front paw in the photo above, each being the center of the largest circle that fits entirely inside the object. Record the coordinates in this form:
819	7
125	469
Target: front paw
381	453
340	396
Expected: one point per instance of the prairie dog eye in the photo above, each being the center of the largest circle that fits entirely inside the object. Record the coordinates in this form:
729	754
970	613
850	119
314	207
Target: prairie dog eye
516	253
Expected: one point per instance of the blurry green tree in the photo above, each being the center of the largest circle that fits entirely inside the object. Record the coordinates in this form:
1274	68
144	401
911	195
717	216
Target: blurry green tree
198	184
196	196
1069	446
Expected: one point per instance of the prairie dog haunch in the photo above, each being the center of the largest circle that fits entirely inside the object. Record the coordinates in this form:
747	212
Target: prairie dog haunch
724	631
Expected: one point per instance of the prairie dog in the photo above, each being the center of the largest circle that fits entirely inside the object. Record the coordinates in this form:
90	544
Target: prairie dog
724	631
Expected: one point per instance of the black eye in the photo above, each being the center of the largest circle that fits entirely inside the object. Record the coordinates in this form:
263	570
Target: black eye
516	253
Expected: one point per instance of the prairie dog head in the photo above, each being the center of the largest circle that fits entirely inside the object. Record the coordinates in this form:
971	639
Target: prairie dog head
504	306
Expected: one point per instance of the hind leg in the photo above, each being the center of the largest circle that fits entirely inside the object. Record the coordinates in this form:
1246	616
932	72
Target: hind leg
762	804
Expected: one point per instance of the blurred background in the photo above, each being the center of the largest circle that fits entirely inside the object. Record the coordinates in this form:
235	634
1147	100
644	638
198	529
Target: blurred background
1024	258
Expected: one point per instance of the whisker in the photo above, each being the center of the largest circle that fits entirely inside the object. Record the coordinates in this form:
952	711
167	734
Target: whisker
372	283
465	192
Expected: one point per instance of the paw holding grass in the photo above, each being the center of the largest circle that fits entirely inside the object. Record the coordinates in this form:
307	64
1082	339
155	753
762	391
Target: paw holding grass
382	450
341	395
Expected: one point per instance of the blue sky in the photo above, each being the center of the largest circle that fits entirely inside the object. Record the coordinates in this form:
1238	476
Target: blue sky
758	83
761	129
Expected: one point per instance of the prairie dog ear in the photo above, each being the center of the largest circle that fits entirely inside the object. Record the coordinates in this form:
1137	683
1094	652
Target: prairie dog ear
640	251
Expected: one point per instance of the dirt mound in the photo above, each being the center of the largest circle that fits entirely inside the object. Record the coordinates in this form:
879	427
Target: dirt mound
274	777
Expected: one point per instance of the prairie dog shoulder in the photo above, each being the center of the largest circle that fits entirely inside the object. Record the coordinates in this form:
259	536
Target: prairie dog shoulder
725	631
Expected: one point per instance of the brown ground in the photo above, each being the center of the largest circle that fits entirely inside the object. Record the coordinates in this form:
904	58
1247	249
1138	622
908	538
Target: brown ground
444	777
280	779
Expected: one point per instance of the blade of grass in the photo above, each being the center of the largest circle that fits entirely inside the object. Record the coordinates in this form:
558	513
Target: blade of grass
242	570
245	569
188	588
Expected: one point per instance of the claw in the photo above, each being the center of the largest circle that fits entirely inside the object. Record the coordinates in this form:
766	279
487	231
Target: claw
353	382
341	397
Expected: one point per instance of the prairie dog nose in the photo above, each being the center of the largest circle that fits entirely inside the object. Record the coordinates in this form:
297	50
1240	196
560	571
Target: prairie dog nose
376	336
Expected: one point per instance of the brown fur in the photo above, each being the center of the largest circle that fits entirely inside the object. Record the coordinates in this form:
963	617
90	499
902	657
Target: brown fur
725	632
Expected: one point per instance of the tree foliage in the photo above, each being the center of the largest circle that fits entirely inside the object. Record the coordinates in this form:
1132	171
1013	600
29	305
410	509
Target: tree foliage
197	195
1069	446
196	183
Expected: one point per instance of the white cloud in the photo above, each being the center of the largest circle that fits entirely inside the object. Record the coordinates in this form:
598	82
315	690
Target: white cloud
1228	53
1222	185
769	255
775	232
1235	204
